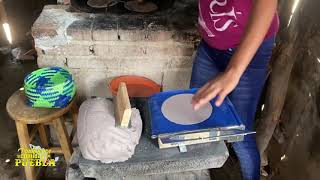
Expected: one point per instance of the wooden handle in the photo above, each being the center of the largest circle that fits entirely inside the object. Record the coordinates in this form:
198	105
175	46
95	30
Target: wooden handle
122	106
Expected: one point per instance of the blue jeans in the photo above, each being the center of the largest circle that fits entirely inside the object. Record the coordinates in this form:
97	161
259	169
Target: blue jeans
208	63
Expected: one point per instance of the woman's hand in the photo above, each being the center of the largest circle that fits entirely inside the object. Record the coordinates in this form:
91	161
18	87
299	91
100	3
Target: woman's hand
219	87
259	22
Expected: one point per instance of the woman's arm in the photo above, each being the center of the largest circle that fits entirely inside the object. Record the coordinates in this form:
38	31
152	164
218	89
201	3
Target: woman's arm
259	22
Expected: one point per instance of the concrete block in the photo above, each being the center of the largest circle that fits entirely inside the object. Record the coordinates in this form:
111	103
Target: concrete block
176	79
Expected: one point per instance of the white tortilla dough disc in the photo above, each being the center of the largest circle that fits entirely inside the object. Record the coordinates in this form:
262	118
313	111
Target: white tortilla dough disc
178	109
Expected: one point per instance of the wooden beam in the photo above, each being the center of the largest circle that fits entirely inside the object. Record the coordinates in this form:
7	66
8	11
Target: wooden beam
24	140
63	137
33	133
122	106
281	67
56	150
3	14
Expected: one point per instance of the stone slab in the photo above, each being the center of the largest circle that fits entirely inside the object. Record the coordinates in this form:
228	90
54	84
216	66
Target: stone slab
74	173
149	159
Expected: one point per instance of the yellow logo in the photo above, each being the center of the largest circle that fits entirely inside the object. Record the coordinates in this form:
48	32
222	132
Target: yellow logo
34	156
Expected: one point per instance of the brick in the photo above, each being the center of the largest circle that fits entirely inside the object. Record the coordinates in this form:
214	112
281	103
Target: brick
152	50
71	50
100	47
84	62
157	29
131	22
81	29
119	50
186	36
143	28
160	35
180	62
144	35
109	62
92	62
170	50
46	61
105	28
176	79
141	64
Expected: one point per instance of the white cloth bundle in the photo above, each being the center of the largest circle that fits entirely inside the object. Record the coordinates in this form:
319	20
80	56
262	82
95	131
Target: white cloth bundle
99	138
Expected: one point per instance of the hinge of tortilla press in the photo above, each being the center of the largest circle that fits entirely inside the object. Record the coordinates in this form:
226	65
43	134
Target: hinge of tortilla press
183	148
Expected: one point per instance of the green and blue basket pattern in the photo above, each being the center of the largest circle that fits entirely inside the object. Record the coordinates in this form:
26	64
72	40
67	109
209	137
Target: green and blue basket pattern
51	87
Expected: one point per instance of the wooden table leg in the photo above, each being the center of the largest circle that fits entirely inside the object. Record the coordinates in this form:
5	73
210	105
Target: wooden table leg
24	141
43	136
63	137
74	112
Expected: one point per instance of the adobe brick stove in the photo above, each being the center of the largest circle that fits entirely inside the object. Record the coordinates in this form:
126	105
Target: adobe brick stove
98	46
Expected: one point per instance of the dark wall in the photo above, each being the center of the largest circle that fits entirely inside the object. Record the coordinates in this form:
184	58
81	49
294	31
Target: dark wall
21	14
297	137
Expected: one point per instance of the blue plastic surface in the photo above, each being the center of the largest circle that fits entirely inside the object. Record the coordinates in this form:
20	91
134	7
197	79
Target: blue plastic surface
223	117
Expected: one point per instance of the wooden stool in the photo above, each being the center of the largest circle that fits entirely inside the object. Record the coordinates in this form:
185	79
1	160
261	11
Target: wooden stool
24	115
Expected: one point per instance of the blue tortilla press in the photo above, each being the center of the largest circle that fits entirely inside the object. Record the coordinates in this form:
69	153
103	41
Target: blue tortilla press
223	124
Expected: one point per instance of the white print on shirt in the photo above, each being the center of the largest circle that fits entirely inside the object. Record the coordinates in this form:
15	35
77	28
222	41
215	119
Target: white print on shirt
216	17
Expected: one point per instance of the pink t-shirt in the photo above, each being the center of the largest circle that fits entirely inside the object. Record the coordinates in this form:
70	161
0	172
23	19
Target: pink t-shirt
222	22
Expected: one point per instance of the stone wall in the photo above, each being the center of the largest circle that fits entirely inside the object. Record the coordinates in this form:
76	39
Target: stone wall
95	48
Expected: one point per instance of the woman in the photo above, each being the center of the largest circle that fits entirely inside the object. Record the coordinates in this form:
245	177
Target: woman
238	38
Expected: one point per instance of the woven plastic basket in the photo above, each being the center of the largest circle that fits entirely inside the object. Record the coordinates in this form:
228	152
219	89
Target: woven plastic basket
51	87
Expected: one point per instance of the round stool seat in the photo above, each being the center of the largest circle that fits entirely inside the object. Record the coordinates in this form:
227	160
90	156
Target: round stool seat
18	110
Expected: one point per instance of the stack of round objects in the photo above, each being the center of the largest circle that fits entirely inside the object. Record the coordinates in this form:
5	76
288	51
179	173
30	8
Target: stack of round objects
51	87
